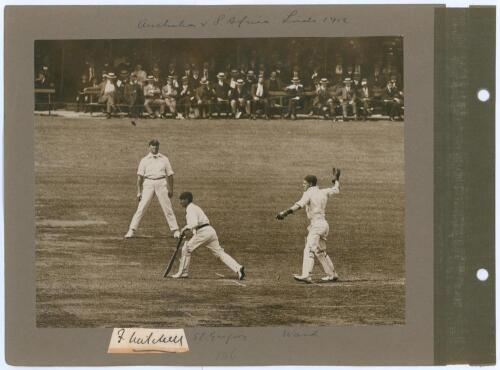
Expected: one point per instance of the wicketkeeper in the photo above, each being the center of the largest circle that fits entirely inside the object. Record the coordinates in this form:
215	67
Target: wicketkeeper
315	200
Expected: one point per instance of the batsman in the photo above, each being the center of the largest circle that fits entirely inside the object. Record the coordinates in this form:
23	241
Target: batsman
314	200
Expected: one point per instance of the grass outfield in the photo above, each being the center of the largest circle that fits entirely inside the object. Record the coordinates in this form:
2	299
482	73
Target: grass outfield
241	173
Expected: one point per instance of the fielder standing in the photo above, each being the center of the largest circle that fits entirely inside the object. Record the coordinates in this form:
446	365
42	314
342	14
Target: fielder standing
154	176
315	200
204	235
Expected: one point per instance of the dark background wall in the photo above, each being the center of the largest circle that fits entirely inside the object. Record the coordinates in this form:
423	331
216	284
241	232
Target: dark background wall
372	57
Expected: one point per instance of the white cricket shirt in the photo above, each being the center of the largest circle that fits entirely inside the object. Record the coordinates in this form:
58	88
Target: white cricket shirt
315	199
154	167
195	216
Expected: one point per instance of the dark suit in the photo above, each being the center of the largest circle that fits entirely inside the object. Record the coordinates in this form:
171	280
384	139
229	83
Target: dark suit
204	98
81	99
296	99
260	100
194	83
221	94
394	101
347	97
325	102
275	85
133	97
239	98
186	99
365	96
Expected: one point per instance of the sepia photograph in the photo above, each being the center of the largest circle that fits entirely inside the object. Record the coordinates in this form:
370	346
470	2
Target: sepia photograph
219	182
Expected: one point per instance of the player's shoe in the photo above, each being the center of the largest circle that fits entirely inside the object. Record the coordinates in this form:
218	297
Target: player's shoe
330	278
130	234
179	275
303	279
241	273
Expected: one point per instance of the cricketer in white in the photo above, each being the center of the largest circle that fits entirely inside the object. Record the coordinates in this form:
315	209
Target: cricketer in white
154	176
204	234
314	200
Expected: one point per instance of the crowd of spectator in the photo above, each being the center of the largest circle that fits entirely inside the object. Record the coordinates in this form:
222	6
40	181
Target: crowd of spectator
248	90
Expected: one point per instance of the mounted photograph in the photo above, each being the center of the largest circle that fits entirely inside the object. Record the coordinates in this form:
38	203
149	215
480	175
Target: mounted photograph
219	182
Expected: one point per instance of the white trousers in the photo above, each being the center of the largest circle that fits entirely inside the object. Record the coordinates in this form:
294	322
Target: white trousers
205	237
150	188
316	246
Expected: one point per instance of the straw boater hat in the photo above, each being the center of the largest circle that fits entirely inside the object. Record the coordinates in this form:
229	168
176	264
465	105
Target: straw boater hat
111	75
170	78
347	80
295	79
221	75
240	81
323	81
150	78
250	73
204	81
185	78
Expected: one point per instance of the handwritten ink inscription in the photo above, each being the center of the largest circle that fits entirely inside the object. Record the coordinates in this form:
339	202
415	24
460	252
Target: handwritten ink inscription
139	340
299	333
293	17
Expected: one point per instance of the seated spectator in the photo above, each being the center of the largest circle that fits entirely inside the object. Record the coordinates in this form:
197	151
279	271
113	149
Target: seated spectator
296	93
41	81
171	70
356	82
262	70
206	72
195	79
347	98
133	96
152	96
250	78
221	94
41	100
141	75
243	70
109	93
295	72
239	98
260	95
186	97
324	101
274	82
156	73
169	93
187	70
120	85
393	99
280	70
315	79
234	78
349	73
365	96
81	98
204	97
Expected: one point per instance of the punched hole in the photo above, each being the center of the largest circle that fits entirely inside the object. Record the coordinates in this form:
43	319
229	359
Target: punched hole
482	274
483	95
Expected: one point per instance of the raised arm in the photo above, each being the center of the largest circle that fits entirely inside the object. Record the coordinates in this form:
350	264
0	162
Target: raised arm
335	189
